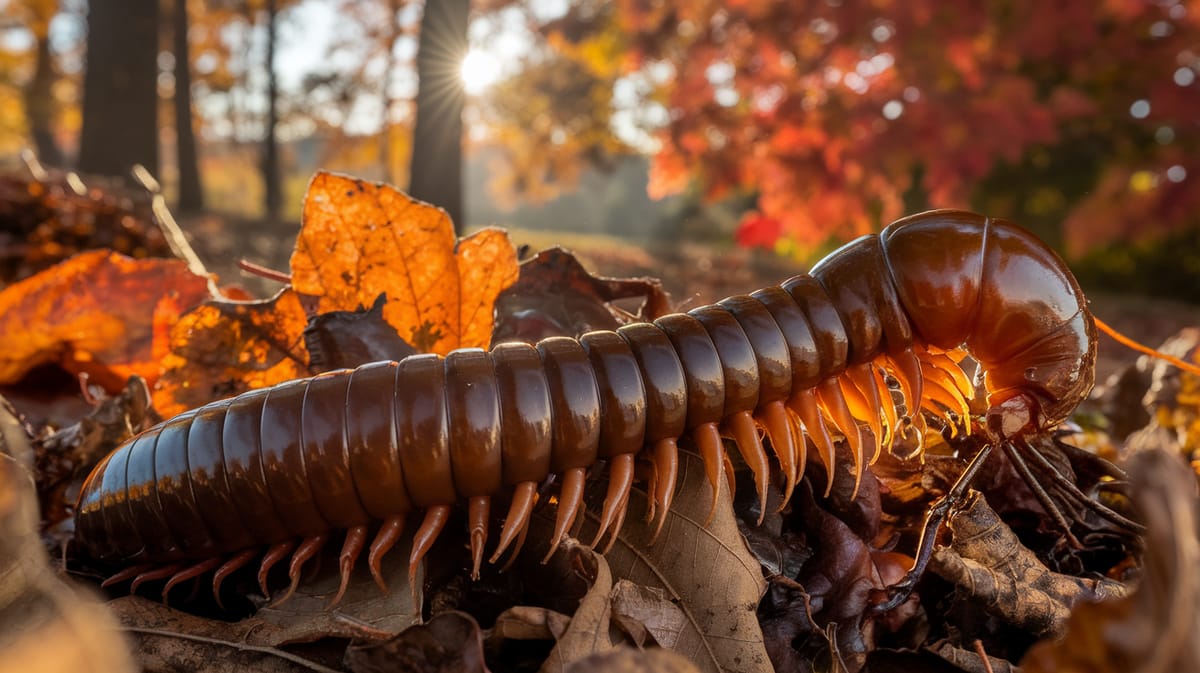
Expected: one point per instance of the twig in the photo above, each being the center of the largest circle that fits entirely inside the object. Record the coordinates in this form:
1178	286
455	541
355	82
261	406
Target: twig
241	647
170	228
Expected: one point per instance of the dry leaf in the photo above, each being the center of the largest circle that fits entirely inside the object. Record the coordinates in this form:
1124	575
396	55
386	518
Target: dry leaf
223	348
45	625
705	569
96	313
988	563
359	240
1154	629
556	296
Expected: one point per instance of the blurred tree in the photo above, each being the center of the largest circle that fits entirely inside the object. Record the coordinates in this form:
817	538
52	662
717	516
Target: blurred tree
120	96
40	109
435	173
273	191
191	196
840	116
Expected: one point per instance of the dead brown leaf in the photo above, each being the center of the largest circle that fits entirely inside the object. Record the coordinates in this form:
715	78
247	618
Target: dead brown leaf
46	626
706	570
97	313
556	296
1152	630
359	240
450	643
987	562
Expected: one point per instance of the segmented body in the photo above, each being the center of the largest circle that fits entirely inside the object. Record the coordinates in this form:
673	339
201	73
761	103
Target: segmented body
805	360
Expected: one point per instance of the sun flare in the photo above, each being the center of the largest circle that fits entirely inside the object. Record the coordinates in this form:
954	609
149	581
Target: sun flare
479	71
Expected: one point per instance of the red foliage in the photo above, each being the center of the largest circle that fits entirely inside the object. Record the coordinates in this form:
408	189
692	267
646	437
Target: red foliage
833	112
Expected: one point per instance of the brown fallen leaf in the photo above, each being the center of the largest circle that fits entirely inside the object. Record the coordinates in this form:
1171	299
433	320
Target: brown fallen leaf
63	455
556	296
45	626
1154	629
989	564
347	339
97	313
588	632
358	240
451	642
706	570
643	611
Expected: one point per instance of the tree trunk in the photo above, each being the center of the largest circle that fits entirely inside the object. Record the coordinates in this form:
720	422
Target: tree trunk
270	163
435	173
385	147
120	93
39	101
191	196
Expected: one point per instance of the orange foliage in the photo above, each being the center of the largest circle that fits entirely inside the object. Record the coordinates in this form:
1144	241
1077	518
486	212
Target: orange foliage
357	240
97	313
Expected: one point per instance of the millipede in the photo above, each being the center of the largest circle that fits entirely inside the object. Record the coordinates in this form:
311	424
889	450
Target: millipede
274	473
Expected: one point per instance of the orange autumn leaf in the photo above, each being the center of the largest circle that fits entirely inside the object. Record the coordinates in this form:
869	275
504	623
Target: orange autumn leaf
358	240
223	348
95	313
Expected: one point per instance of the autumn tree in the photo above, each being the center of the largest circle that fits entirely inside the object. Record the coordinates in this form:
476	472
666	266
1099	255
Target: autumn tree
120	95
841	116
191	196
38	93
435	174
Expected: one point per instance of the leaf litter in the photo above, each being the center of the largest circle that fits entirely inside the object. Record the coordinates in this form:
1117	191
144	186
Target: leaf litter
376	273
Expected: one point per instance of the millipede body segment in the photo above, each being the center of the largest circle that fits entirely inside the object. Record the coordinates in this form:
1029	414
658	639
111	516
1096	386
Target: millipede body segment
273	473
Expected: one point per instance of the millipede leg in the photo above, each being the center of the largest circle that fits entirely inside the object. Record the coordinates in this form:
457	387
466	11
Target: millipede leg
622	510
423	539
128	573
887	403
273	556
665	456
712	452
775	421
830	395
308	548
804	403
385	539
900	591
478	510
151	575
907	368
620	480
356	537
745	434
228	568
188	573
569	500
863	379
1072	491
518	516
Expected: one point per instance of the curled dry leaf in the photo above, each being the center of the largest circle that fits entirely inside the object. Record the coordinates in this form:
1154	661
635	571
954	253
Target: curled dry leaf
98	313
64	454
359	240
556	296
222	348
1152	630
346	339
450	643
706	570
44	625
646	611
588	632
988	563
